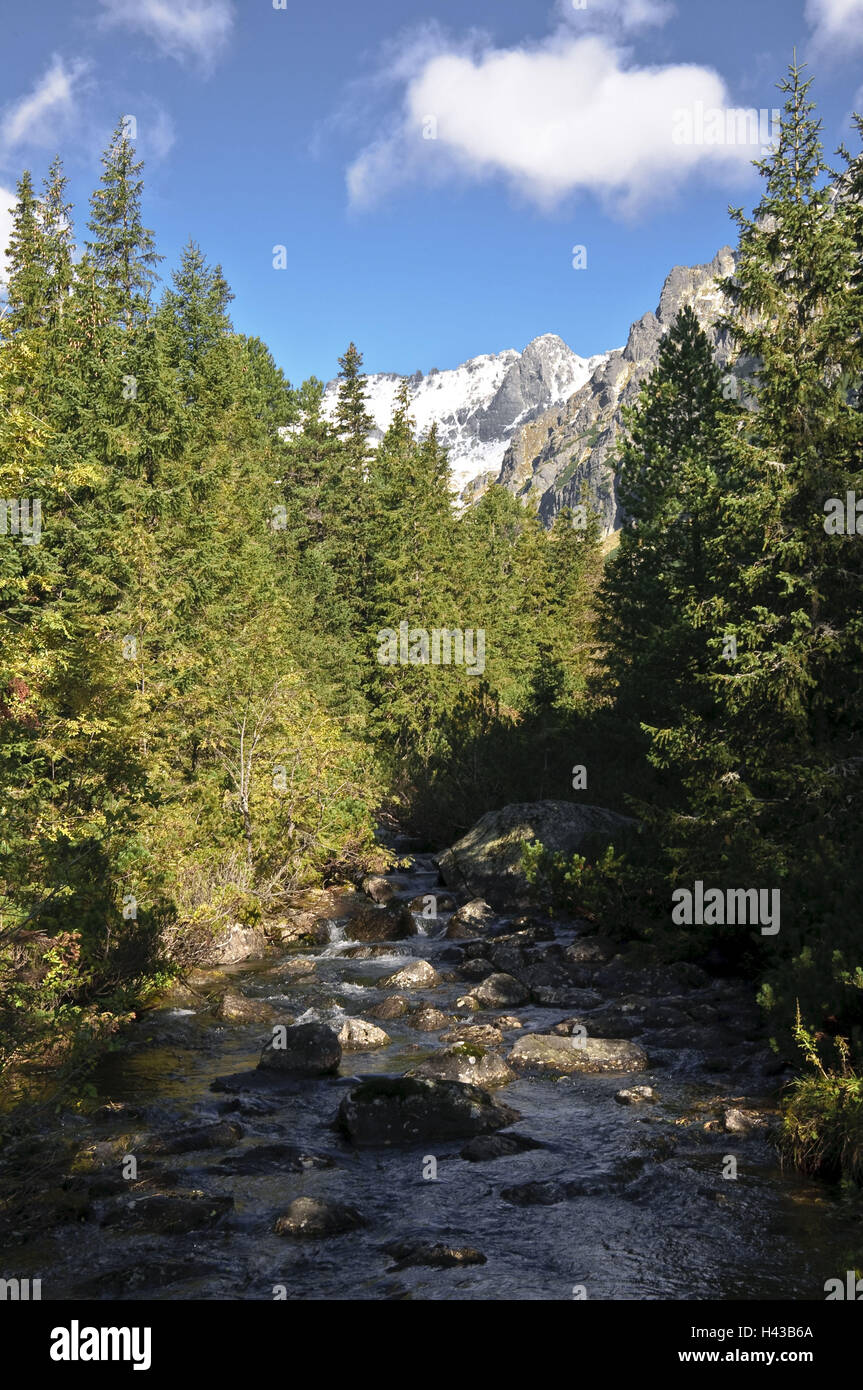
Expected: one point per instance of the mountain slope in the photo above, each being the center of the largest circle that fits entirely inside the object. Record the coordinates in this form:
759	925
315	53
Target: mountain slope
480	405
554	454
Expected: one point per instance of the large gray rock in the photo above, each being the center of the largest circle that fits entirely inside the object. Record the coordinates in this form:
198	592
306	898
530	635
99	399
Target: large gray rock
409	1110
418	975
551	1053
358	1035
308	1049
474	919
311	1218
486	862
466	1062
385	923
501	992
234	943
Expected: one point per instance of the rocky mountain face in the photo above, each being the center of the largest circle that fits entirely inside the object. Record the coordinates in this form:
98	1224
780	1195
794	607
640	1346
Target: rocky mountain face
554	454
480	406
545	422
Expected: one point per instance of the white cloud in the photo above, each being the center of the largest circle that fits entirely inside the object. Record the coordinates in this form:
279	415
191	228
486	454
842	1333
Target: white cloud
39	117
181	29
570	114
7	203
617	14
836	23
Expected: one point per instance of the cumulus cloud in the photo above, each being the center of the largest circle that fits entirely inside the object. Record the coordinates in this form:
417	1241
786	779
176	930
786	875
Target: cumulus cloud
836	23
570	114
41	116
181	29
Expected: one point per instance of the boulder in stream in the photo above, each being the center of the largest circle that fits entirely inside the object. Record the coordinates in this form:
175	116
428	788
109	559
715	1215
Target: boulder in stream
378	888
358	1035
234	943
408	1253
169	1213
386	923
418	975
474	919
550	1053
394	1007
500	991
312	1218
307	1049
389	1110
466	1062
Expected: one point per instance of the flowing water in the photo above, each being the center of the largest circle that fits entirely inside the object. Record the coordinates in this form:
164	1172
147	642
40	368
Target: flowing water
654	1217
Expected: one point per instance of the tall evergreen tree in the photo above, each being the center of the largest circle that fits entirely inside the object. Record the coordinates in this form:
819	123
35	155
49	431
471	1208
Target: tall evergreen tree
122	249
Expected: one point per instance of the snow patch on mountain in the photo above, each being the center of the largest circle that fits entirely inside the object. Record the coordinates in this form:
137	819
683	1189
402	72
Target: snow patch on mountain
478	405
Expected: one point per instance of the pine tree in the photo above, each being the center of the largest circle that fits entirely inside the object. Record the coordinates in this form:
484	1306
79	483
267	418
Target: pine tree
122	249
672	472
27	287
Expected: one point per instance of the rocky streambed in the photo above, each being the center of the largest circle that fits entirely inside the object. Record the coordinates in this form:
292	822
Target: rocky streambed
438	1101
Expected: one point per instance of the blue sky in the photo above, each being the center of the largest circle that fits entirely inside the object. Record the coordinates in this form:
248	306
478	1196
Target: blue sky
428	167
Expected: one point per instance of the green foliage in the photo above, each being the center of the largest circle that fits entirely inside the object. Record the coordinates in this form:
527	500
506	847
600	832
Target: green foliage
574	884
822	1127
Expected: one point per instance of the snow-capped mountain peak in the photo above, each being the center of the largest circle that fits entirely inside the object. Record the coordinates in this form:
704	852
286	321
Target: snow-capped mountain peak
478	405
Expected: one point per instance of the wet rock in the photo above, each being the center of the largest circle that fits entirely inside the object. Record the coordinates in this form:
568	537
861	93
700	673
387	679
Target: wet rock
636	1095
106	1154
487	861
236	1008
507	1021
466	1062
301	926
489	1146
170	1213
418	975
550	1053
272	1158
224	1134
311	1218
475	918
307	1049
234	943
592	950
530	929
297	968
507	957
481	1034
408	1253
432	904
365	952
476	969
246	1105
500	991
378	888
394	1007
429	1020
562	997
467	1001
357	1035
744	1122
391	923
406	1110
